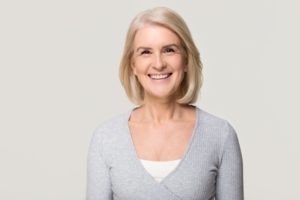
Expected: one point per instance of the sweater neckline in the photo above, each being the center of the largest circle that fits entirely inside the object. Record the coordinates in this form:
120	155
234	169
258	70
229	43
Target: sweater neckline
137	160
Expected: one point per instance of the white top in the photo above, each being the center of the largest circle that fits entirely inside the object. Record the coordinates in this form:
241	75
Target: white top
159	169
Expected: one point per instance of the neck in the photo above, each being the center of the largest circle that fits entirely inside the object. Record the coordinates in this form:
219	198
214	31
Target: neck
161	111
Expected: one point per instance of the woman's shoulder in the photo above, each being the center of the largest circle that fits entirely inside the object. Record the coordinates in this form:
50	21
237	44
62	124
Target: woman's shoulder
214	123
208	117
114	124
217	133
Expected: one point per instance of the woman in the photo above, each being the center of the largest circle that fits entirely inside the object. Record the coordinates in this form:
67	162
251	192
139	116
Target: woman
165	148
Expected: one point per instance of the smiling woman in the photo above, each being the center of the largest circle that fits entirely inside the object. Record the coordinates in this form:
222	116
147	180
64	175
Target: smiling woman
168	22
165	148
158	62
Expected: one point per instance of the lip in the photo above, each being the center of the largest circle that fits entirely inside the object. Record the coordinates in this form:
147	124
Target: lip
160	76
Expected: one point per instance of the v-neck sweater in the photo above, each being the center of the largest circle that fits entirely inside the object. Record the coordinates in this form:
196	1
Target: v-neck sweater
211	167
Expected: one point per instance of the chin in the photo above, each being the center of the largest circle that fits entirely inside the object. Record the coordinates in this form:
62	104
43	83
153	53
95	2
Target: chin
161	95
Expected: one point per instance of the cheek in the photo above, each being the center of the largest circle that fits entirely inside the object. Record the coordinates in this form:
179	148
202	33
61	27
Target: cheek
135	67
139	66
138	70
178	63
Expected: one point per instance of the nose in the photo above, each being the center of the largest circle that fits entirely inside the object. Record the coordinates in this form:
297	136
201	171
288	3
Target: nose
158	62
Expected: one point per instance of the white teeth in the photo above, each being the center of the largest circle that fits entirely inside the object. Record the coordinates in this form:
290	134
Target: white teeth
159	76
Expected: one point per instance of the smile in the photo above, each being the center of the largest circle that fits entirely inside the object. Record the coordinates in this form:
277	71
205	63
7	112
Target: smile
159	76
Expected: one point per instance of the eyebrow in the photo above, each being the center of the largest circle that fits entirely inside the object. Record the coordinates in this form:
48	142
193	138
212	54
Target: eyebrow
149	48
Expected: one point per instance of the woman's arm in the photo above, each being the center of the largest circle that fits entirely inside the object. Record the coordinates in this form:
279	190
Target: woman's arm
98	180
230	174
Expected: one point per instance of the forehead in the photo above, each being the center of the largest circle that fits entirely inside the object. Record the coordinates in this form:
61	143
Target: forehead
155	36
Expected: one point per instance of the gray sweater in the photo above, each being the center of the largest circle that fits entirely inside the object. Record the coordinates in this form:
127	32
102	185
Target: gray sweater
211	167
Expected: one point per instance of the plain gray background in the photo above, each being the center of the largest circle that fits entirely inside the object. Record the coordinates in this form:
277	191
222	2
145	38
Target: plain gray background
59	79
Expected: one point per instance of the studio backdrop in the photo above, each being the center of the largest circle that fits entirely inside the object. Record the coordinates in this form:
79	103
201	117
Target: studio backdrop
59	80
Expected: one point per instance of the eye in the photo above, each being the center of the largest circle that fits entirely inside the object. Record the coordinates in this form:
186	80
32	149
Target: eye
145	52
169	50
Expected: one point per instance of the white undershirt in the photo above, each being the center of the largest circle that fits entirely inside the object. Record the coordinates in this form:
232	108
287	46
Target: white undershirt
159	169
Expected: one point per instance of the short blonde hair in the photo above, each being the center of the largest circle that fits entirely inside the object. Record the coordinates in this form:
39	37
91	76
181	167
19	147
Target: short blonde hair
167	18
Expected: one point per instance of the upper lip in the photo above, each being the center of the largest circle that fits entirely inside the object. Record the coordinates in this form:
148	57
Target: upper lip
160	73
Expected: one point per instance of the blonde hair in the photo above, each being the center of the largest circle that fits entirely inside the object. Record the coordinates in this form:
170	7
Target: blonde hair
167	18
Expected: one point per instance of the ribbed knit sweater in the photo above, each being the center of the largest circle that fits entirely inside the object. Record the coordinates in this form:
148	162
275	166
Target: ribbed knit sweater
211	167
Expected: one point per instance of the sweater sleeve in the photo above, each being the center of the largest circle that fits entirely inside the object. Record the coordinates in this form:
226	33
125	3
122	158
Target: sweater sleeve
98	180
229	185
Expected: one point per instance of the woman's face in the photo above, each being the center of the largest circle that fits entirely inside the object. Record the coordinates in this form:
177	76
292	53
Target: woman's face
158	61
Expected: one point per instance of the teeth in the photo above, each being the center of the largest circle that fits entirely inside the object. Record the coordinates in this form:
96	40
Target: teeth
159	76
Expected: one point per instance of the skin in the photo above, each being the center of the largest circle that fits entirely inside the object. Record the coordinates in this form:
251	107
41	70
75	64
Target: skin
160	128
